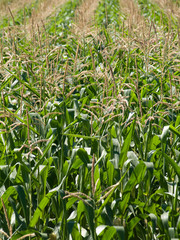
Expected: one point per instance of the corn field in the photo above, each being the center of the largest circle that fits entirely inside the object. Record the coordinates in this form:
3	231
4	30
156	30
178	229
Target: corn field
90	119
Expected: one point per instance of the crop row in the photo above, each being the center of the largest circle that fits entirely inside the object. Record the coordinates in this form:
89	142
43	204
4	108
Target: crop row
89	127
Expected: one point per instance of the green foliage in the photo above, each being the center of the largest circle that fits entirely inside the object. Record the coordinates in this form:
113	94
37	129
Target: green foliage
157	15
89	132
108	13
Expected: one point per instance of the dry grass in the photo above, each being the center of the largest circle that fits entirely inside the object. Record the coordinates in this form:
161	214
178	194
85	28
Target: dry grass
45	9
85	17
39	15
134	21
170	8
140	31
146	36
15	6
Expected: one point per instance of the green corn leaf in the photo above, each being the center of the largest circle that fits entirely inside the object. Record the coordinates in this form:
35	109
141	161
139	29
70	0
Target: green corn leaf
46	199
40	208
110	193
80	136
23	201
109	233
89	211
70	202
21	120
29	232
77	164
132	224
80	209
174	130
83	156
164	218
5	82
100	229
110	172
177	121
126	144
172	163
120	232
25	84
44	175
44	153
10	191
136	177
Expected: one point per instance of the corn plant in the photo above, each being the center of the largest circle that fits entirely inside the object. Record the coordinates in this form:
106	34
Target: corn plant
89	128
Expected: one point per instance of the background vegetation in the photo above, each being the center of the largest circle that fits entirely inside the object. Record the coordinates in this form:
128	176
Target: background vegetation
89	121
